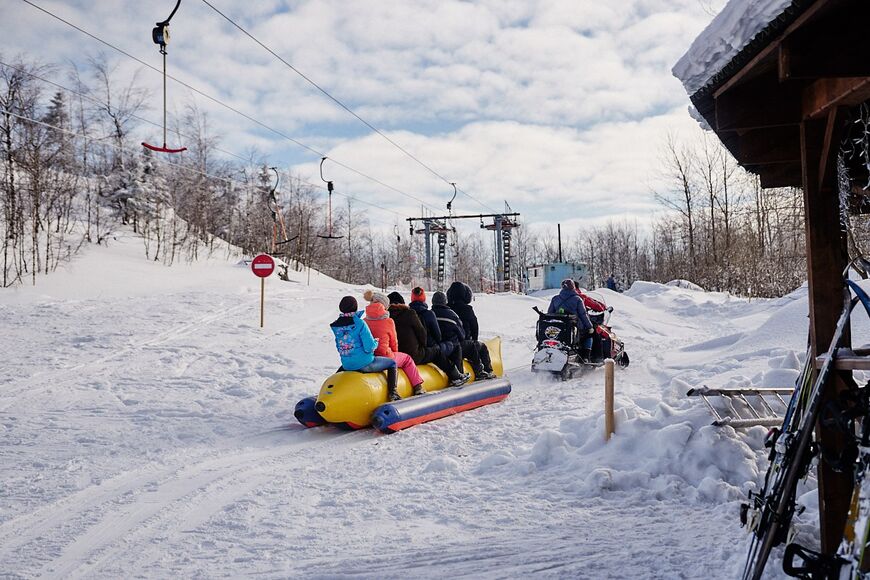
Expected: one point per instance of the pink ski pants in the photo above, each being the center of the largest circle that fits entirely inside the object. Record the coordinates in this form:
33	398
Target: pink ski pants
406	363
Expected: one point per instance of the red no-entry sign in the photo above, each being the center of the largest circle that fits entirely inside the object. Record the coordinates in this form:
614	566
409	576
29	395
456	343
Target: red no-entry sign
263	265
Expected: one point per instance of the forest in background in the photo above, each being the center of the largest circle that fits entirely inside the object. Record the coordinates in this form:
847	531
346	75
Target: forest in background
74	172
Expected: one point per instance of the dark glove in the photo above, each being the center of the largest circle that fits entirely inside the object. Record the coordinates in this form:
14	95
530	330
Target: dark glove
591	331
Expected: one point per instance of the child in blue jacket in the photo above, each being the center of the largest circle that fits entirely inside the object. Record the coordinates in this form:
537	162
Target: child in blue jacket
356	345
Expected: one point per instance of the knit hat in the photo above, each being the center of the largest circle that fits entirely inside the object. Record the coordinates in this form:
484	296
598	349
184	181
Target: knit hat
568	284
371	296
395	298
348	304
418	295
439	299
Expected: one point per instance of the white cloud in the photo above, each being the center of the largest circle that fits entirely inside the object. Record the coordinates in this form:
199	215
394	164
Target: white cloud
559	106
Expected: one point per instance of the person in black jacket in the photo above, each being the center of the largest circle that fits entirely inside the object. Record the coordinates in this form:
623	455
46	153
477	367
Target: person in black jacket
452	333
427	317
413	340
459	297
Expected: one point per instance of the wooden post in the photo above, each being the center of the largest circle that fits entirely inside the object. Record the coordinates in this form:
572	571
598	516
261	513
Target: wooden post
609	419
826	258
262	299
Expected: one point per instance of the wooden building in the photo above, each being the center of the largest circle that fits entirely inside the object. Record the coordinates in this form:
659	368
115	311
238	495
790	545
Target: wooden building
783	105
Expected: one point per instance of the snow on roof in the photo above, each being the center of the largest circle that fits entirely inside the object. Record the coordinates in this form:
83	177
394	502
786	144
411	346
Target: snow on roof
726	36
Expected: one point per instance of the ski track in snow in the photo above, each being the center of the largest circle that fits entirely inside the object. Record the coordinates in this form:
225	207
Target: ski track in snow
142	446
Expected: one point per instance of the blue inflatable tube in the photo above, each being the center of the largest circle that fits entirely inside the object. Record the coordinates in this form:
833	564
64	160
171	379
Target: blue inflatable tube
392	417
306	414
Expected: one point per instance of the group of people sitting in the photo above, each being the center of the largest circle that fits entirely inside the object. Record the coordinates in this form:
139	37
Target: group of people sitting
590	314
391	334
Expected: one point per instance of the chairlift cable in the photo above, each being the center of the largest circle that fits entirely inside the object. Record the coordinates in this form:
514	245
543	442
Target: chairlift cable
337	101
181	134
97	102
221	103
186	168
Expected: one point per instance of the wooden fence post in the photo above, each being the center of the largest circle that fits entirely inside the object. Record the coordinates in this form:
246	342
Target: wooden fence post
609	419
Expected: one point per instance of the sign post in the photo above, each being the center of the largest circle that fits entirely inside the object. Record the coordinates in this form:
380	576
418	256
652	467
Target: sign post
262	266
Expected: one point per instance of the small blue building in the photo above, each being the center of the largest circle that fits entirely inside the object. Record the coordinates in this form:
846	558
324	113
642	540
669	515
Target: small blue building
548	276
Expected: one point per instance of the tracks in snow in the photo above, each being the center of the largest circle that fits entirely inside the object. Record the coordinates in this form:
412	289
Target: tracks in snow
119	520
64	378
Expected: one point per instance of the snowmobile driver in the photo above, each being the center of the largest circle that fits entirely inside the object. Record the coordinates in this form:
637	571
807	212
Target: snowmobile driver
568	302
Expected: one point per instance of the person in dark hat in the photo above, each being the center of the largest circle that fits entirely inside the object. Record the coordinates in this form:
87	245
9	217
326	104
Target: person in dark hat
356	345
459	297
452	333
413	340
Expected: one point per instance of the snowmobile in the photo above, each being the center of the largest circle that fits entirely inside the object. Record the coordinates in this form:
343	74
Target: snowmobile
558	349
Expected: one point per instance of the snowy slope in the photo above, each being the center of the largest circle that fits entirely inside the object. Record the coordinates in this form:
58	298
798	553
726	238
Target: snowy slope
146	430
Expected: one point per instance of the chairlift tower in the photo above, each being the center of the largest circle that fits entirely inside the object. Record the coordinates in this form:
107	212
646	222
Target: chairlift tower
439	227
502	225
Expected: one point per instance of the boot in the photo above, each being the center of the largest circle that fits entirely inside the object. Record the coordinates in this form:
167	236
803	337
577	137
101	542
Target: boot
585	354
392	394
460	380
419	390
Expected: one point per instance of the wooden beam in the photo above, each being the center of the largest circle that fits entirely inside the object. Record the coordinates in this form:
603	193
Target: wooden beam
782	175
770	51
830	144
825	94
826	258
775	145
832	46
762	102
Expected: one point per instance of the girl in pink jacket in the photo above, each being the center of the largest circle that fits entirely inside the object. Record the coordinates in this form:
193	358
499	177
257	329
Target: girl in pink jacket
384	330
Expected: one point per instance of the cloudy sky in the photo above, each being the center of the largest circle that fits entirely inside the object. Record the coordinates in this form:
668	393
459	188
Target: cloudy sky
559	107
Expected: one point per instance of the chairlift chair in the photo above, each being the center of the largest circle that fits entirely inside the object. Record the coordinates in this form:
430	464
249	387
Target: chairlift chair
329	188
160	36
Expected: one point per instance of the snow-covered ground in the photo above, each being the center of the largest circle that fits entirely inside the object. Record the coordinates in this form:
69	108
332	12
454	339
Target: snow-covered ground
146	430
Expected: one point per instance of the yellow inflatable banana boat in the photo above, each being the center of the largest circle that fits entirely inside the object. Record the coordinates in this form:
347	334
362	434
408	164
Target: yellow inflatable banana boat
350	398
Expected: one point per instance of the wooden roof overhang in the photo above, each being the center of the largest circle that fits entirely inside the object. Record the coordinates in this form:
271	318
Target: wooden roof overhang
805	66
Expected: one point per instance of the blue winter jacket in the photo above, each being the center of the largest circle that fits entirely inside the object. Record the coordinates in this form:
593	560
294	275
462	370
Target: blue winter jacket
568	302
433	331
354	341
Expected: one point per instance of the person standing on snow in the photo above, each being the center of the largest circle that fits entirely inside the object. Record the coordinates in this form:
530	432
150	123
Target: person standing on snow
384	329
568	302
413	339
611	283
459	298
356	345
